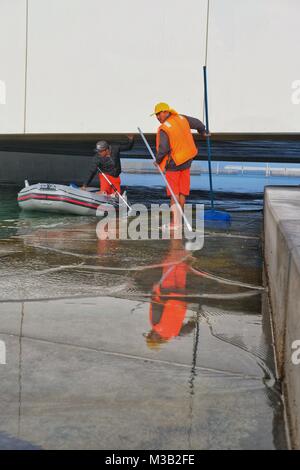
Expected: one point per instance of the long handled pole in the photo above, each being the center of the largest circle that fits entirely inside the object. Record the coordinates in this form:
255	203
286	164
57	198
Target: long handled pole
166	181
115	189
208	138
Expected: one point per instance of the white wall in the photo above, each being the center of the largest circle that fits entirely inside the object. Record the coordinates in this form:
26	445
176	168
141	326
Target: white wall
101	65
253	59
12	65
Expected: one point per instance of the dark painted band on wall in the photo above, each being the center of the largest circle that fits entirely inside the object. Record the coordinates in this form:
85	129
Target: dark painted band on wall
66	160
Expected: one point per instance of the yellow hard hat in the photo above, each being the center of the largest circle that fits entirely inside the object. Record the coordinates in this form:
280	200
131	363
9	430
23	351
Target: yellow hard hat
154	340
161	107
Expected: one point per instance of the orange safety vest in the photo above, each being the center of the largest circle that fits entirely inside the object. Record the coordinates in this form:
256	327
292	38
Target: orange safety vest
181	140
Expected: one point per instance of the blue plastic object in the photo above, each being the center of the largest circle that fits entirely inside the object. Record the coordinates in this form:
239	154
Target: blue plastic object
73	185
213	214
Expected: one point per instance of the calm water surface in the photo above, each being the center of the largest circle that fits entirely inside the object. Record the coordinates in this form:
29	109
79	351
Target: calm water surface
136	344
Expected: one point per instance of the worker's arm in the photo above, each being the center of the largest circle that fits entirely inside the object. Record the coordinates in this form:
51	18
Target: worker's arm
93	169
164	146
196	124
117	163
129	145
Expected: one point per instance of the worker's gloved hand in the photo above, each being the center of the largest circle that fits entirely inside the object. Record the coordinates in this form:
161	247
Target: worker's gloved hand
83	187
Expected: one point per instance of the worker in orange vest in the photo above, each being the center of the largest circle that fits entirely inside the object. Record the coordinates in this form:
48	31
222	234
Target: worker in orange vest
176	149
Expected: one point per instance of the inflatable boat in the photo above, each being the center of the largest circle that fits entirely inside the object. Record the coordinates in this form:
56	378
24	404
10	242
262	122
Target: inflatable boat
45	197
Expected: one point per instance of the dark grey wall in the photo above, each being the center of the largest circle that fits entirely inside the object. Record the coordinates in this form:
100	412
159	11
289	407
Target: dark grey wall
16	167
65	161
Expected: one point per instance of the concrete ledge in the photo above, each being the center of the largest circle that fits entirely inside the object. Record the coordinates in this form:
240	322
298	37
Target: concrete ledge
282	264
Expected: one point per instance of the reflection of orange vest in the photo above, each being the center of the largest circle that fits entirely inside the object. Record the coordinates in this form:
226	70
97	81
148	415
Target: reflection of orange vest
171	319
173	309
181	139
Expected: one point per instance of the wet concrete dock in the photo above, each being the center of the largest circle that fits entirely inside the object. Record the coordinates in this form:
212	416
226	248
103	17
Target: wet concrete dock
282	260
135	345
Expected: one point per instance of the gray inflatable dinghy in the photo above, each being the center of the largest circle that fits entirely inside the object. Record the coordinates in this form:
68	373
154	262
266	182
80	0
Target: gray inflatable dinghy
46	197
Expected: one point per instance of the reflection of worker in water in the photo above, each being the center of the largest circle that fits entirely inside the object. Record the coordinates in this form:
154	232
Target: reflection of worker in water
167	308
108	237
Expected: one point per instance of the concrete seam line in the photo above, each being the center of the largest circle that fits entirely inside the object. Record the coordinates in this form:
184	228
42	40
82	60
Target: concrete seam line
141	358
26	65
20	367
